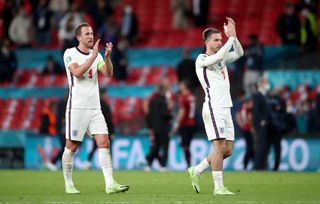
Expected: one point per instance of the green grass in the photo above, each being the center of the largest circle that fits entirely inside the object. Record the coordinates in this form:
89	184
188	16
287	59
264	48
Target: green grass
155	187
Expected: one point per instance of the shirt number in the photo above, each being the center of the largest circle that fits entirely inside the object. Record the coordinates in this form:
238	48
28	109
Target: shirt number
223	74
90	73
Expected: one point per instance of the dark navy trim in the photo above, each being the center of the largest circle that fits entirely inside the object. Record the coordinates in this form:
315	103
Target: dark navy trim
69	124
72	81
209	103
206	78
70	106
84	53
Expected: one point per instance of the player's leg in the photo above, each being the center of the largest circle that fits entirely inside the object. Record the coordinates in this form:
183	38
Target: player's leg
229	148
196	171
229	132
67	165
98	129
222	149
105	161
217	162
104	156
76	125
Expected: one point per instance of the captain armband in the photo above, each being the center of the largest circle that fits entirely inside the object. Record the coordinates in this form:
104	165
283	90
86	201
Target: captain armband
100	64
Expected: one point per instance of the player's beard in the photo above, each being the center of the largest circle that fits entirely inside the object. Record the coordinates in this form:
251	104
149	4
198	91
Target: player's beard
89	45
218	48
215	49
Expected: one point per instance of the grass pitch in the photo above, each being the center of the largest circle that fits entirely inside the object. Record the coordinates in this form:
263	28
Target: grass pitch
155	187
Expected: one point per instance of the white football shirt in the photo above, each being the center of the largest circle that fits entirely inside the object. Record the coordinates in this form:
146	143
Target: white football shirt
213	74
83	91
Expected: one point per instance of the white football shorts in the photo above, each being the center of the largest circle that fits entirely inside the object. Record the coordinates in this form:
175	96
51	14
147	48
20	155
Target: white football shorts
218	122
80	121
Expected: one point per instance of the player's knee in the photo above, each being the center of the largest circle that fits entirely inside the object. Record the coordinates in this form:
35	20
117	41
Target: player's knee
72	145
104	143
221	149
228	153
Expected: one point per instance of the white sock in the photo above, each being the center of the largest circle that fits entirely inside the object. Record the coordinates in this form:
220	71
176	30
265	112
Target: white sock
67	166
217	179
201	167
106	165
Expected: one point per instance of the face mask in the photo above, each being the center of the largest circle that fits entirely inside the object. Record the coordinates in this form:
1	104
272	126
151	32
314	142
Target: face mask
267	87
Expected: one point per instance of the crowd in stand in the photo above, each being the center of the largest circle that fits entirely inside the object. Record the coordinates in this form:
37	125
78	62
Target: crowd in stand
298	25
45	23
52	22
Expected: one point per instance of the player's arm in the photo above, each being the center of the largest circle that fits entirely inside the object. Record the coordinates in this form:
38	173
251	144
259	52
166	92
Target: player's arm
78	70
236	53
237	48
106	67
219	56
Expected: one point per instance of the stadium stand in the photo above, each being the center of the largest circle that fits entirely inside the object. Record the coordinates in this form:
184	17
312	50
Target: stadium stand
154	55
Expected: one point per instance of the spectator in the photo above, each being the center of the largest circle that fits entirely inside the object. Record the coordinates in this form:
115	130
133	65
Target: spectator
60	128
52	67
67	26
179	10
186	70
42	18
100	10
260	120
58	8
185	120
311	4
107	32
120	61
277	126
8	61
309	30
158	120
6	14
129	25
288	26
244	120
254	54
48	127
20	30
200	12
170	97
48	119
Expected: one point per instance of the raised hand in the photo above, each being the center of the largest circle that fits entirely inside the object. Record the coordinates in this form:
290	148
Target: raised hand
229	28
231	20
108	48
95	48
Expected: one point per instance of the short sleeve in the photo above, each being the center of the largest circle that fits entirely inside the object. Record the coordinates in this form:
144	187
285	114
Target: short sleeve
200	60
68	58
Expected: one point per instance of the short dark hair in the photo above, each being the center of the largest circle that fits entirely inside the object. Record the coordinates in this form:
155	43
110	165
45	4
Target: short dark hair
208	32
79	27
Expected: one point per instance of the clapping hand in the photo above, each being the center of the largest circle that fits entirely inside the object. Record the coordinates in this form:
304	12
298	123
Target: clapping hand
230	27
95	48
108	48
